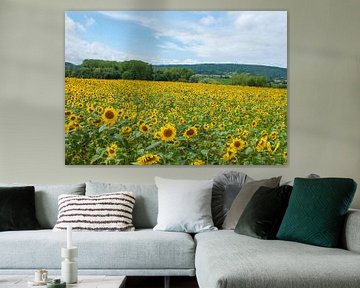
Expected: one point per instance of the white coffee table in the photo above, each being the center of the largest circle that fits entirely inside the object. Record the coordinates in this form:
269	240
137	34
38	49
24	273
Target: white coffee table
84	281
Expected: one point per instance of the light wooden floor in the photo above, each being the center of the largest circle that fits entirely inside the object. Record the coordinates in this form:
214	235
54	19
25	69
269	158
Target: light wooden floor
158	282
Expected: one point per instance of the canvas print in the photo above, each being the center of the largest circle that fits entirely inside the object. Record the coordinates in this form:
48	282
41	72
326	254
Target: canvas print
176	88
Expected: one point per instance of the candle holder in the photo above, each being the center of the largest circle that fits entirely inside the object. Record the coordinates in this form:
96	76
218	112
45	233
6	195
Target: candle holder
69	272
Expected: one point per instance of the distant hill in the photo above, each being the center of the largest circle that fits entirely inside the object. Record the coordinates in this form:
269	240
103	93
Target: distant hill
217	73
270	72
70	65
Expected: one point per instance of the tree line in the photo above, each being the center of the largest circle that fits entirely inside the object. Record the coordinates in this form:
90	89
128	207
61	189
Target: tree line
139	70
132	69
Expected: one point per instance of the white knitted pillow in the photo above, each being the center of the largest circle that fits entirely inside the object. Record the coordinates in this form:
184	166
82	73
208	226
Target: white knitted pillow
105	212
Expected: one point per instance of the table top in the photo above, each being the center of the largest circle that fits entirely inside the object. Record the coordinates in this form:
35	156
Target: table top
84	281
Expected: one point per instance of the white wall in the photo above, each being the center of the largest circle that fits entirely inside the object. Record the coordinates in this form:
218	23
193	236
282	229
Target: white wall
324	90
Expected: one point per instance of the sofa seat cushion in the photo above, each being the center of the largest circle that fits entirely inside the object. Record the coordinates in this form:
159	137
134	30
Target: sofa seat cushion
142	249
226	259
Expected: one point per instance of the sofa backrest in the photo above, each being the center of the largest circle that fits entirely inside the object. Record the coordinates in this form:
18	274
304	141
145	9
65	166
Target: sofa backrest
146	203
46	199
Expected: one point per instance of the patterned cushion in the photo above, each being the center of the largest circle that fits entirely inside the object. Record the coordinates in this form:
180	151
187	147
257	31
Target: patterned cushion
317	210
105	212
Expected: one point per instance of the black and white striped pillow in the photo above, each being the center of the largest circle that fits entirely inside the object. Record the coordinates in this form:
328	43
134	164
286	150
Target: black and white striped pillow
105	212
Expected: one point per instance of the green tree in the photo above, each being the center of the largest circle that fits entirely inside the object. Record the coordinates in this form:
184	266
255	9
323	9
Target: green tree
136	70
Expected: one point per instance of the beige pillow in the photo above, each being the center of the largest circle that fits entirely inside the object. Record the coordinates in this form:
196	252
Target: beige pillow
243	198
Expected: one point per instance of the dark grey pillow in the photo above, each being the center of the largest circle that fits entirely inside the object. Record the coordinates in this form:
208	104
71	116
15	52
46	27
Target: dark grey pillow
243	198
226	187
17	209
263	214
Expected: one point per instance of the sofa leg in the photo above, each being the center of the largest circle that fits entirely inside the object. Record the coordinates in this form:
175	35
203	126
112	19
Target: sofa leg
167	282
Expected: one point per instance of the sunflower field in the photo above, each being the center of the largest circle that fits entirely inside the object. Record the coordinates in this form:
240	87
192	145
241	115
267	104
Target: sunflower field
132	122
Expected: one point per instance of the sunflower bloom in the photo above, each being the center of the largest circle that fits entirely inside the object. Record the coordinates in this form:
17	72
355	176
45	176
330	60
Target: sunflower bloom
285	154
71	126
126	130
274	135
198	162
261	144
73	117
168	133
109	116
238	144
245	133
229	155
157	135
111	150
148	159
90	108
144	128
190	133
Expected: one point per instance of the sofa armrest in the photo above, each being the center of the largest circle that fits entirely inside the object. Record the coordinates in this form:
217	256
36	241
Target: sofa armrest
351	233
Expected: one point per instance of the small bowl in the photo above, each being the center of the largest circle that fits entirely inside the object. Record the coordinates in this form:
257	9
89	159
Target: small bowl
56	283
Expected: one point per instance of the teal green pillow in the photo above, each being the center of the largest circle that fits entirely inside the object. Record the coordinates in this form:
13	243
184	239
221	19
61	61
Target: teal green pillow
316	211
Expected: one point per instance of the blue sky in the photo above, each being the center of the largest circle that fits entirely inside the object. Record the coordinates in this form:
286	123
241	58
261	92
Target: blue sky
178	37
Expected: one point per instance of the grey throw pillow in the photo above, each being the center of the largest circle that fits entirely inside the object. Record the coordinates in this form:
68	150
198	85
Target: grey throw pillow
242	199
226	187
184	205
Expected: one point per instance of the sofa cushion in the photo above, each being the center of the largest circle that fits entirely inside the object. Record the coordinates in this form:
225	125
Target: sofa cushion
46	200
317	209
225	259
134	251
225	189
105	212
146	205
184	205
243	198
17	208
263	214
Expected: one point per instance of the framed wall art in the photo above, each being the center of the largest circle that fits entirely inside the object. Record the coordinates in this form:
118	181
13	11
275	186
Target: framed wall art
176	88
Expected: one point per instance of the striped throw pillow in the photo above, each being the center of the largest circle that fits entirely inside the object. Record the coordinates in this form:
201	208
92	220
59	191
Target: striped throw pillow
105	212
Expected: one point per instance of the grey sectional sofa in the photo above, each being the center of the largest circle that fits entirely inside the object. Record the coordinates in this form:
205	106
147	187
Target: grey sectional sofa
219	259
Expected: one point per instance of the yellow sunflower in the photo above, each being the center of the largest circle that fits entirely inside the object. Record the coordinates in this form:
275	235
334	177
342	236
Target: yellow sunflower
190	133
229	155
148	159
157	135
237	144
73	117
125	130
245	133
285	154
90	108
109	116
168	133
274	135
144	128
71	126
198	162
261	144
111	150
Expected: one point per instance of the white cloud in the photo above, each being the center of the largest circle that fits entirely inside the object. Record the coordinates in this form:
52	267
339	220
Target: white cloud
252	37
89	21
208	20
71	26
78	49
